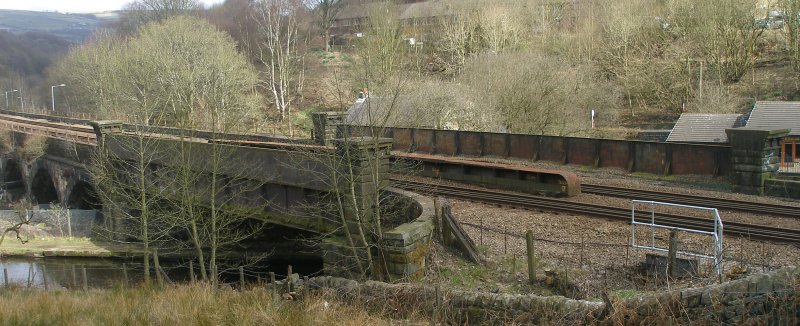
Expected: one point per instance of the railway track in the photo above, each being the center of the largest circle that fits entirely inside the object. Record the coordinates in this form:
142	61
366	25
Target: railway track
728	204
761	232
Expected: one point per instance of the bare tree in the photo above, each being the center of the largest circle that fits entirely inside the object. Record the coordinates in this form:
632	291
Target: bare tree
325	11
278	53
140	12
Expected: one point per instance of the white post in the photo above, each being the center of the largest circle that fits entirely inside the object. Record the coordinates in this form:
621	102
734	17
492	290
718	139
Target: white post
11	91
53	94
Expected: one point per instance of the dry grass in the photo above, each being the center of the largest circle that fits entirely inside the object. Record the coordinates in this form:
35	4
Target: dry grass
177	305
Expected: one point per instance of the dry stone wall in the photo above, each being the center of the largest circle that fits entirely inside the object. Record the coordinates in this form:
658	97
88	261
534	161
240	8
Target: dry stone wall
761	299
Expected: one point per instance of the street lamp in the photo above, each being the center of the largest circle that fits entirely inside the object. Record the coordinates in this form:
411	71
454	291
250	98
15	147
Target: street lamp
16	90
53	94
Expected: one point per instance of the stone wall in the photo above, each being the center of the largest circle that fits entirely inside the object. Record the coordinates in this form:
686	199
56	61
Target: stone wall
782	188
407	245
755	157
758	299
770	298
459	307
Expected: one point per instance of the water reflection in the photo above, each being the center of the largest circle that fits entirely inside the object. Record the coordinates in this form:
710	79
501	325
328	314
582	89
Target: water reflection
68	272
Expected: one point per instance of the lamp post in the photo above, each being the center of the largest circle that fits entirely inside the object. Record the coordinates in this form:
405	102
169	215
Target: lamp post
12	91
53	94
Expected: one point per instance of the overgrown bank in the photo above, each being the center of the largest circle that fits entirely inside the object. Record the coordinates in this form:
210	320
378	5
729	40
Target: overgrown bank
175	305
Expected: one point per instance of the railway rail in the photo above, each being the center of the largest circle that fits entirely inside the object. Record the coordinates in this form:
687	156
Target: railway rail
761	232
729	204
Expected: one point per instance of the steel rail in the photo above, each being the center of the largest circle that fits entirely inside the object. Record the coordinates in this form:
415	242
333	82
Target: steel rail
719	203
525	201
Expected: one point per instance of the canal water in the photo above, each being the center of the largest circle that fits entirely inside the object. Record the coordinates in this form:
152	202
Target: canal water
68	273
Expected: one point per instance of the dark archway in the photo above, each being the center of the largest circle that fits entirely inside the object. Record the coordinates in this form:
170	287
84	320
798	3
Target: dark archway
13	182
43	191
84	196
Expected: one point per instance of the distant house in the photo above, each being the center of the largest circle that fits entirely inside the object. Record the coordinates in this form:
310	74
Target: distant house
417	19
780	115
704	128
388	112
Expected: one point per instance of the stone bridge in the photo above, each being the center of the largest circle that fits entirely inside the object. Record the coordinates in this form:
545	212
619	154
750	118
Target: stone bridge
50	161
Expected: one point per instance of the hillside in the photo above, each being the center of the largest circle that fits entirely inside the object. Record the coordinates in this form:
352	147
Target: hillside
74	27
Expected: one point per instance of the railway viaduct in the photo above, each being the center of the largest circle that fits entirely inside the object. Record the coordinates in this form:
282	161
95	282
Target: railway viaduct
290	180
296	173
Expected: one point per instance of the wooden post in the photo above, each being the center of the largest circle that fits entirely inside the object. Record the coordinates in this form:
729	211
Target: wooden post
124	274
241	277
69	223
272	285
289	278
481	230
505	240
305	284
673	248
514	264
5	277
44	277
85	281
74	277
582	242
157	266
437	204
191	271
447	231
531	257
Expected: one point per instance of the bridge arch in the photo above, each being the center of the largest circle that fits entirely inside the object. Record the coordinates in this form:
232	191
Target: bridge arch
43	188
83	195
13	180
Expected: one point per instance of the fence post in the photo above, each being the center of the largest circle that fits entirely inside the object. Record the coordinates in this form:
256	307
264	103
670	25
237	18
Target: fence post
673	248
505	240
531	257
272	284
157	266
69	223
85	281
241	277
44	276
74	277
289	278
124	274
191	271
5	277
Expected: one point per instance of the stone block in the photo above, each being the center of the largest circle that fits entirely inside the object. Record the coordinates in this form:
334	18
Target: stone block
691	298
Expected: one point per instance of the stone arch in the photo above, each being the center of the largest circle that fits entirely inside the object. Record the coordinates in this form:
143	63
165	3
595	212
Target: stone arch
43	187
83	195
13	180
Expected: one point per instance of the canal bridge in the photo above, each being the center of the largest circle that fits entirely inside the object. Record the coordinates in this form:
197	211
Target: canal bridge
50	160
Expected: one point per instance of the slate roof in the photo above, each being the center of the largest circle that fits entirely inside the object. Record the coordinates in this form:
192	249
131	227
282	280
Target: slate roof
387	111
704	128
776	115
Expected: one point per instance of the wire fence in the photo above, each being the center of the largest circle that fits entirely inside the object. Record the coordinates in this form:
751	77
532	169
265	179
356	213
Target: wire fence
580	266
55	275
